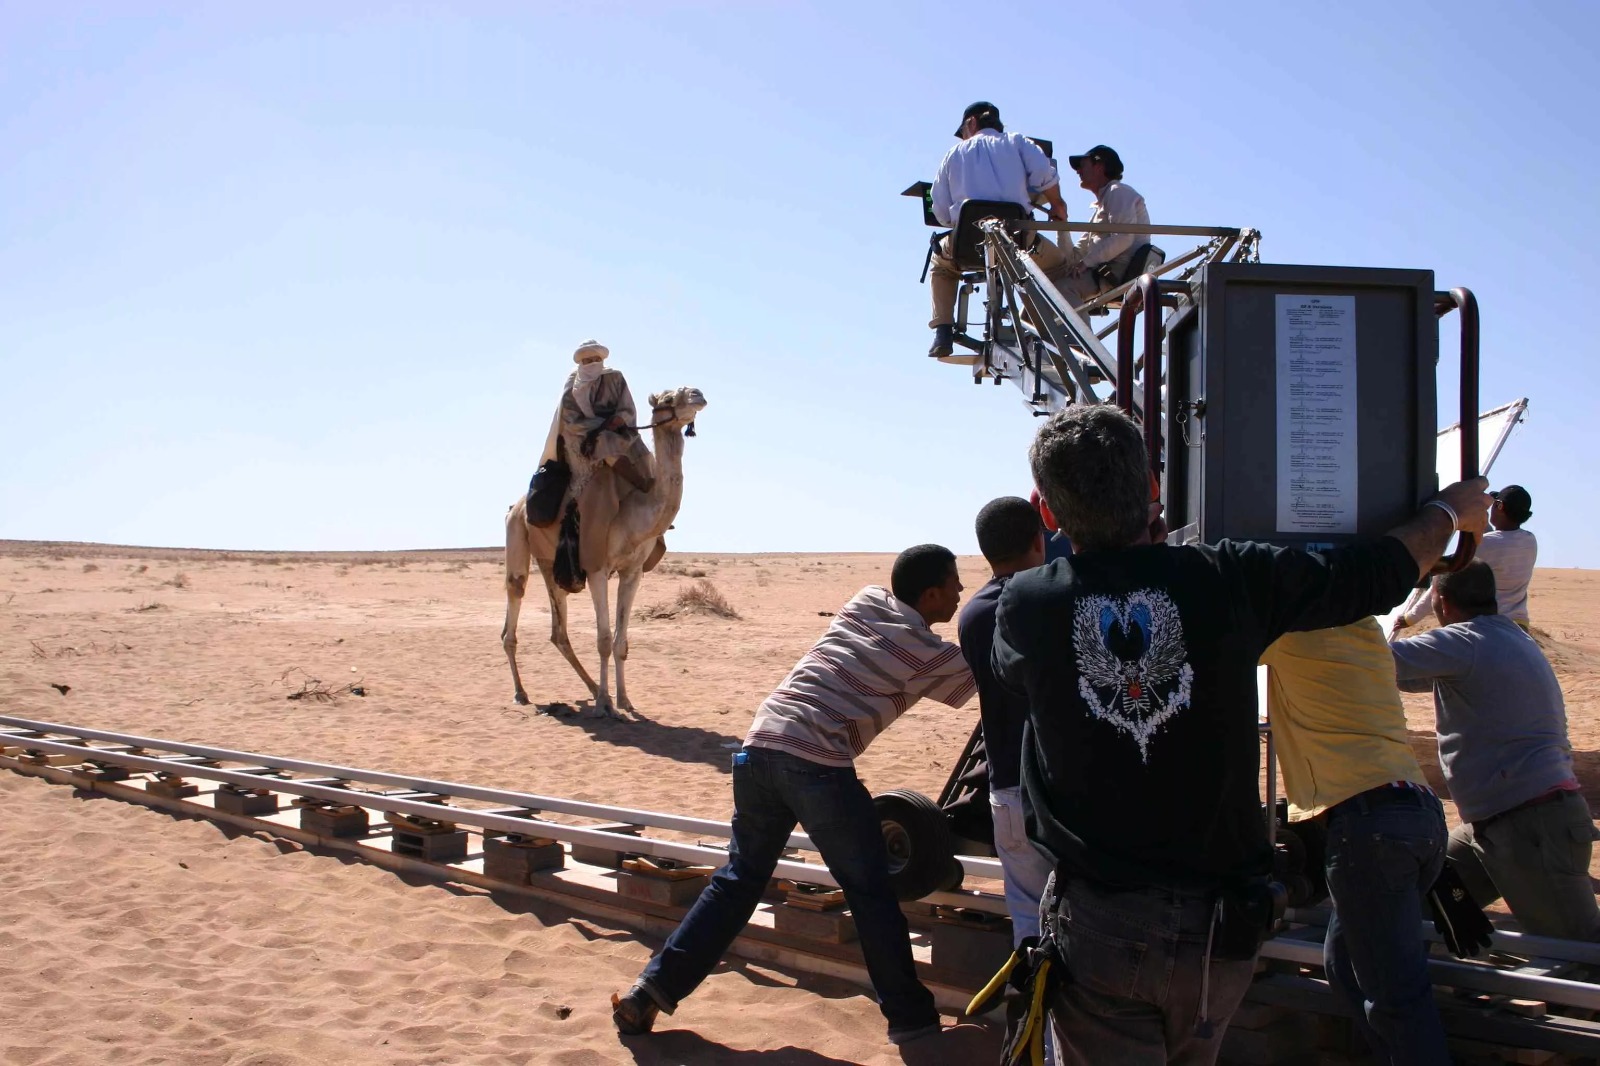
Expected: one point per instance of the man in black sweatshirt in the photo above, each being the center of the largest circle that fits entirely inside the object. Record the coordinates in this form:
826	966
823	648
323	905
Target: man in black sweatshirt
1138	660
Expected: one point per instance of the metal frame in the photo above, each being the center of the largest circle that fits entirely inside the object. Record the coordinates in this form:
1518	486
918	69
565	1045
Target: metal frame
1052	353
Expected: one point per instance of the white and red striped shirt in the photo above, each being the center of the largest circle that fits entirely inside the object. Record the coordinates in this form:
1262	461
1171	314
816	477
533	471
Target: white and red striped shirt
877	659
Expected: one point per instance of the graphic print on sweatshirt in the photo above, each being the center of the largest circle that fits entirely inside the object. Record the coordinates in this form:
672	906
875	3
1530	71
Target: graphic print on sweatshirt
1132	662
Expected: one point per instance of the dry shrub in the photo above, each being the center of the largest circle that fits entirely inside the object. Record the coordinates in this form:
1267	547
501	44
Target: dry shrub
702	597
180	580
680	570
89	568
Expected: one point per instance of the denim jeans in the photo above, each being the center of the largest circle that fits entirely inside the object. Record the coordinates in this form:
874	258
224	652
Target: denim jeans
1142	990
1385	848
772	790
1024	867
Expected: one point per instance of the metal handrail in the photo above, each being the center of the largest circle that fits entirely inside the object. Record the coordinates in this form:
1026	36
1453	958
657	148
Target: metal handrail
1467	303
1129	227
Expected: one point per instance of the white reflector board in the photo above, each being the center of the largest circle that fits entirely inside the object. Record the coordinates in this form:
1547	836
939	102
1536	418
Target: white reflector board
1494	427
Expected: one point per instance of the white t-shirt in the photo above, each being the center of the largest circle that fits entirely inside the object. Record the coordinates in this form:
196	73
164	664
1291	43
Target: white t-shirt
1511	554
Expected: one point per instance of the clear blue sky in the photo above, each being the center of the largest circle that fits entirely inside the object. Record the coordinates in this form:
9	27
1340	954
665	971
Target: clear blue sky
309	276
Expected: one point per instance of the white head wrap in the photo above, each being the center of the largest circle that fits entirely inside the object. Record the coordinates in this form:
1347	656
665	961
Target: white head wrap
590	351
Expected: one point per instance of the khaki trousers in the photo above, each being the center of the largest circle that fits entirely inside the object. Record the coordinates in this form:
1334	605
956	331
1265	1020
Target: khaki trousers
947	279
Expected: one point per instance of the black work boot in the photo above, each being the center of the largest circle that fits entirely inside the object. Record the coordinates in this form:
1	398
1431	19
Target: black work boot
943	341
633	1012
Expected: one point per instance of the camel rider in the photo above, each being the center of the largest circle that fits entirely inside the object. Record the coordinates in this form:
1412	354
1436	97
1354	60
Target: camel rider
596	422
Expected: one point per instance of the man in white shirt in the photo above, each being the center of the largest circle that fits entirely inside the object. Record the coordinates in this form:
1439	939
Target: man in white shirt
1103	258
990	164
1510	551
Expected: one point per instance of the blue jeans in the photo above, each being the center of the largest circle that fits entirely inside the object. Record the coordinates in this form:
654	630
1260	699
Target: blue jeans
1385	848
1143	990
772	790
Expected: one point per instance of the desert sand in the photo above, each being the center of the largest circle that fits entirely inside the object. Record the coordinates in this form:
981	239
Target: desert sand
140	938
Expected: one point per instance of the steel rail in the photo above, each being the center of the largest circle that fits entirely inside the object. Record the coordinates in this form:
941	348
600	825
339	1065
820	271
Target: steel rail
1457	974
976	865
1506	941
1478	977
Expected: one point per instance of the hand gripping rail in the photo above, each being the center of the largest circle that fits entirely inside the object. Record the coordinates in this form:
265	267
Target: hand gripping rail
29	734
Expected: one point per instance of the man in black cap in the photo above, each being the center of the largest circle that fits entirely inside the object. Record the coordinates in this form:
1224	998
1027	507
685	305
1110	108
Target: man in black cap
1510	551
990	164
1106	258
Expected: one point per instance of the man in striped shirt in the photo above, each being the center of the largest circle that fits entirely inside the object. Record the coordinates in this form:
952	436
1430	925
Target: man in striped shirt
798	766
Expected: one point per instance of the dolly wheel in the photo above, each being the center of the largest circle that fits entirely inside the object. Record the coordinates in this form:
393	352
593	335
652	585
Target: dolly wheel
917	837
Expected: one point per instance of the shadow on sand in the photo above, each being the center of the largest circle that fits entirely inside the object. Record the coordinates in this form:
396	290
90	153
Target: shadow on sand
681	743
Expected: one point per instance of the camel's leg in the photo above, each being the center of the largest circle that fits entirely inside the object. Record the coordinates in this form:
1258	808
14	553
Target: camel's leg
627	587
602	632
517	559
558	623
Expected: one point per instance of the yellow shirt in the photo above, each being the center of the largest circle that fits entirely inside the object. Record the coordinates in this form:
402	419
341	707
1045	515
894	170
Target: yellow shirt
1336	716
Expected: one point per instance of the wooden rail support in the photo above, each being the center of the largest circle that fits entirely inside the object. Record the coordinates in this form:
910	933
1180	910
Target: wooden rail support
515	858
427	838
171	786
815	915
602	855
249	802
662	881
330	820
971	943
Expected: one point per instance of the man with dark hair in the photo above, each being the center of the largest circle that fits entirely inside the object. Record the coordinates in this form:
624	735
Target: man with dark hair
1104	259
1526	831
1138	661
1011	538
990	164
877	659
1510	551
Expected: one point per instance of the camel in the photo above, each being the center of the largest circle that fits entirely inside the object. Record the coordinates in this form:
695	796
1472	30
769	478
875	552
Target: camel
631	547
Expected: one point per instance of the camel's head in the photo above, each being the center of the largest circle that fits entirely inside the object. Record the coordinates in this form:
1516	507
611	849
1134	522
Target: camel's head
677	407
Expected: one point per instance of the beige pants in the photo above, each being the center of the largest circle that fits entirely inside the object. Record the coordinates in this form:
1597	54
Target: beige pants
947	279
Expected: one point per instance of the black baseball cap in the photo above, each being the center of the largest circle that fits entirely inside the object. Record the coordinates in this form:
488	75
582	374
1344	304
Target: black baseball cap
976	111
1517	502
1099	154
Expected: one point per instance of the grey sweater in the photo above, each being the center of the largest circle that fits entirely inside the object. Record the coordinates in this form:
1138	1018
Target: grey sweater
1502	721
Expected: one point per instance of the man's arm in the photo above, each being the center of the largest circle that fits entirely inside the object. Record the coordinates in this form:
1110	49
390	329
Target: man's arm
943	208
1122	204
1058	206
1434	656
950	681
1295	590
1419	606
1429	530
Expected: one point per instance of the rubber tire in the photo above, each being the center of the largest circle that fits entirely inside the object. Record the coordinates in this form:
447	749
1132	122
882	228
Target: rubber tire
955	873
1314	844
917	836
